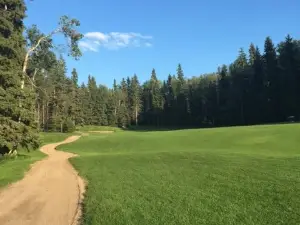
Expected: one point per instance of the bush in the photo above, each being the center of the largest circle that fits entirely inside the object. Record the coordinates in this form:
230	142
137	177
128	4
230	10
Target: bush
68	126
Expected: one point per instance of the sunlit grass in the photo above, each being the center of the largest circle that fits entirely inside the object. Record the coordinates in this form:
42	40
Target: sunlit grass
240	175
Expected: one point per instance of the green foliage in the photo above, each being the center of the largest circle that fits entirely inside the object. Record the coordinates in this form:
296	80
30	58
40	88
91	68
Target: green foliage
68	126
205	176
17	127
251	90
68	27
261	87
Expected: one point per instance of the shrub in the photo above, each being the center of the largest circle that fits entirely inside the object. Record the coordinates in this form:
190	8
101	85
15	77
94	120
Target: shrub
68	126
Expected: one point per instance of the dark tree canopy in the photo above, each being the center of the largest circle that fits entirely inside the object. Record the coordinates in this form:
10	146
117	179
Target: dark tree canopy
13	131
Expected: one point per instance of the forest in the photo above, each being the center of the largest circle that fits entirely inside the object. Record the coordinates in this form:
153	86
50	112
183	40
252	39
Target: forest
257	88
37	94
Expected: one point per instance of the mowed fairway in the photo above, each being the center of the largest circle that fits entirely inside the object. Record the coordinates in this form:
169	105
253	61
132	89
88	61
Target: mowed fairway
239	175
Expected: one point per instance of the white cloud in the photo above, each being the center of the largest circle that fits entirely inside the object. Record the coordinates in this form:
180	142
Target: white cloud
96	35
87	46
92	41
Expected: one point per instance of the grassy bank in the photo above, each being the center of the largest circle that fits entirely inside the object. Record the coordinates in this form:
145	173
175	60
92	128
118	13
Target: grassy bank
238	175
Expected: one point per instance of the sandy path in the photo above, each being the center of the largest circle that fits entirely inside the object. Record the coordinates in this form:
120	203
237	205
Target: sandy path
49	193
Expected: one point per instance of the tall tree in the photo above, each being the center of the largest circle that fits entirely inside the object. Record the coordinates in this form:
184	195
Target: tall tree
156	98
135	96
257	100
252	54
75	111
288	64
273	82
14	132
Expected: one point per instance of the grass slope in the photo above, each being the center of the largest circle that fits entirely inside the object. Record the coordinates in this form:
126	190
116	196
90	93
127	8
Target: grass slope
14	169
241	175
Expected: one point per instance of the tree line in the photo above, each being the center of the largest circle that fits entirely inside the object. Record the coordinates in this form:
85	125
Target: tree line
37	94
20	61
256	88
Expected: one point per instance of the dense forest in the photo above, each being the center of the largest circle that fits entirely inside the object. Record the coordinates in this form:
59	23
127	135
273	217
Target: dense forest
256	88
261	86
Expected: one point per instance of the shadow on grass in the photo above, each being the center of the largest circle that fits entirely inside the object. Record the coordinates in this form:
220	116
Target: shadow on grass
143	128
153	128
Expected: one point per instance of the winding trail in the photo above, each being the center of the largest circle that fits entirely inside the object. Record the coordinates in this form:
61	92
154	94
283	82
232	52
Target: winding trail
49	194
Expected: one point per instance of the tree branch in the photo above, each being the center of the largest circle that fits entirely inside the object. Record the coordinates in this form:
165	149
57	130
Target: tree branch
32	83
32	49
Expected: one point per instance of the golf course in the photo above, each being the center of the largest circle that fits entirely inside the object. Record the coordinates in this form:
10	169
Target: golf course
149	113
238	175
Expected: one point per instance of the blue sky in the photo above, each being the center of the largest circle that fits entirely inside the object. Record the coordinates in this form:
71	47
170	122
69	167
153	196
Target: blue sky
124	37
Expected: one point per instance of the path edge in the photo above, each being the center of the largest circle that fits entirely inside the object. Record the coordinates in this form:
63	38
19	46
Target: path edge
81	184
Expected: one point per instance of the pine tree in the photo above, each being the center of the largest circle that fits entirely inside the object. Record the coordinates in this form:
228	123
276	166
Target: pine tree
288	51
58	109
16	123
224	94
182	102
92	94
84	99
273	81
75	113
252	54
155	97
241	61
180	77
135	98
257	95
74	77
240	85
101	106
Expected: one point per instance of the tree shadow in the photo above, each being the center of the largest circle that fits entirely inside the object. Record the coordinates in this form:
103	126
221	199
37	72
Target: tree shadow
161	129
145	128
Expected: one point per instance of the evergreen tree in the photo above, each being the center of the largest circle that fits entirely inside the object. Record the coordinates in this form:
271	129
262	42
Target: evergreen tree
223	99
252	54
180	77
257	99
123	112
155	97
16	112
75	111
273	82
135	96
74	78
288	52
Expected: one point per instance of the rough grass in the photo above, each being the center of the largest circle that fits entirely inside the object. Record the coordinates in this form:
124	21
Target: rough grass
241	175
13	169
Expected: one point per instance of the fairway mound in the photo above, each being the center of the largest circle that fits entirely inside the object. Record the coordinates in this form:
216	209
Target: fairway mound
50	193
102	131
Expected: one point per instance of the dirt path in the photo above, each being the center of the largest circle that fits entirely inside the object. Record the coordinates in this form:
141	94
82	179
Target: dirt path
50	192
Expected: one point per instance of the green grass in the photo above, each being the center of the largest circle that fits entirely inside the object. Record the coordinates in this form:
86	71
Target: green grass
96	128
240	175
13	169
47	138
